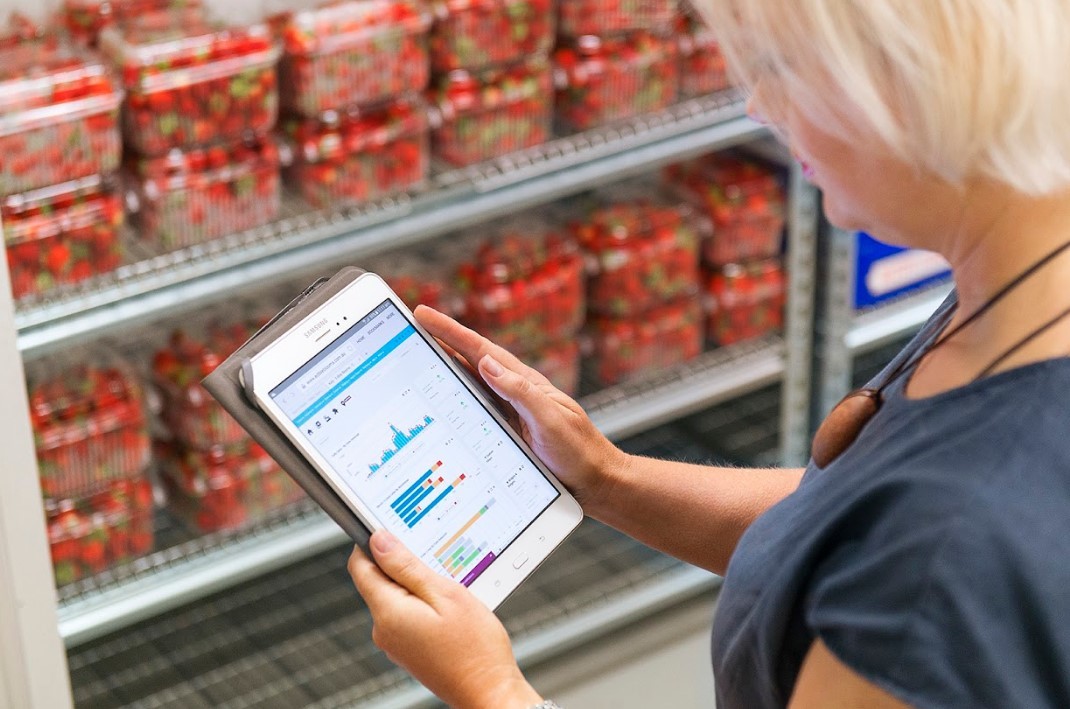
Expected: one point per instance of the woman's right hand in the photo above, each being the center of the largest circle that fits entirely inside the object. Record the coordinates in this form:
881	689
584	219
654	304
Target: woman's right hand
552	423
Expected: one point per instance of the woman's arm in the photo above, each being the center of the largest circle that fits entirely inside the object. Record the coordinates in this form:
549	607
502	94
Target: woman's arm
692	512
826	683
696	513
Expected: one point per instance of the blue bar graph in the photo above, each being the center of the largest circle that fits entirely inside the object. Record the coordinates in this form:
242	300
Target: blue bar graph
412	521
406	497
400	439
410	507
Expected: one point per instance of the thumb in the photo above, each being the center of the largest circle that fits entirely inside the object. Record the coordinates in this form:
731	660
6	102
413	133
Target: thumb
531	402
404	567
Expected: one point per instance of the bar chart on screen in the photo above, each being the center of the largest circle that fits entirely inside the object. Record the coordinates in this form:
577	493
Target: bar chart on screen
459	551
424	495
399	439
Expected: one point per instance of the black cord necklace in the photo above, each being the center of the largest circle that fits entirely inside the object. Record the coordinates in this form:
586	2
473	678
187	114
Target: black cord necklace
844	424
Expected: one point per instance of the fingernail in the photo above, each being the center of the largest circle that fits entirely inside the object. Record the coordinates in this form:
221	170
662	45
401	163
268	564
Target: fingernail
384	541
492	366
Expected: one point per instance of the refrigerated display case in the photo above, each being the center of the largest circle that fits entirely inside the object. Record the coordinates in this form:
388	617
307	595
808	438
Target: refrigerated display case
304	238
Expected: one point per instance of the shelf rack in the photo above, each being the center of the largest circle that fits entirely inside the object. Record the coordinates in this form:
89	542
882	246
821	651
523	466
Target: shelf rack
194	570
158	286
307	239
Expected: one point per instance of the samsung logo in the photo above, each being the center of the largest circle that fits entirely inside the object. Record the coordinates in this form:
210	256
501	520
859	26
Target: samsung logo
316	327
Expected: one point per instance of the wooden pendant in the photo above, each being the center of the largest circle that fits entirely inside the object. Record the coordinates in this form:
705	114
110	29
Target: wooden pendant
843	425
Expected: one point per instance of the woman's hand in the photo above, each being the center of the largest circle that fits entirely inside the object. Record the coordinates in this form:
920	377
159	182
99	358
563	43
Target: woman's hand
437	630
553	424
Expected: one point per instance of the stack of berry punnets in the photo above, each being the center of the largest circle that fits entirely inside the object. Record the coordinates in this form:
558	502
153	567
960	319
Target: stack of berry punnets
59	132
216	478
93	453
201	103
643	267
489	113
351	76
493	81
744	279
602	80
522	285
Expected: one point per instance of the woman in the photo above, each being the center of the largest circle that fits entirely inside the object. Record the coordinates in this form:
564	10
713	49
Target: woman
924	559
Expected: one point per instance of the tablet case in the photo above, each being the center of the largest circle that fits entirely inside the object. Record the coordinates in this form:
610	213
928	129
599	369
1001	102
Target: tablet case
225	385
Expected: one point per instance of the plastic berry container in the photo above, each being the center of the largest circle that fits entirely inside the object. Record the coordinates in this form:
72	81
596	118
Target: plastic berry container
703	69
190	197
744	200
89	423
493	112
62	235
475	34
84	19
559	362
419	281
605	80
193	81
745	301
356	52
349	158
194	418
92	533
523	286
642	251
59	116
225	488
605	17
627	348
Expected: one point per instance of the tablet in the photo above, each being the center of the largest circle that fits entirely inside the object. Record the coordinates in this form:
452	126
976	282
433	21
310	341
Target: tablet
410	443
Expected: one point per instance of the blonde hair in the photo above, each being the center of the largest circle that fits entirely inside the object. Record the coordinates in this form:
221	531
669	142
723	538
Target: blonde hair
963	88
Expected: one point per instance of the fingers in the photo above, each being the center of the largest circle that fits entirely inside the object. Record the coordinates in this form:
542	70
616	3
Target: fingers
529	400
406	569
468	343
376	588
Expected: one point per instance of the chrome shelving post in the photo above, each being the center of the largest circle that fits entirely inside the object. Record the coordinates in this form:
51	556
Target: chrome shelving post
835	296
33	666
804	221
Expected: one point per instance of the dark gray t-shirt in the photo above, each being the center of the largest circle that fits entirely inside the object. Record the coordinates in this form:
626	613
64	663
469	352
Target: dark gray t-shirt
933	557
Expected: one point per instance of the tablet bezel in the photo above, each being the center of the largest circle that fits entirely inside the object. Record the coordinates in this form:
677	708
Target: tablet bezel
314	333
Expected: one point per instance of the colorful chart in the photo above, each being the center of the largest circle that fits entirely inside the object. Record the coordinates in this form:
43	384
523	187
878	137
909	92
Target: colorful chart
459	551
401	439
409	505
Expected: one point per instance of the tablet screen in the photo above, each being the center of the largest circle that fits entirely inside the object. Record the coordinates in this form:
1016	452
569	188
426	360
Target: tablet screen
415	445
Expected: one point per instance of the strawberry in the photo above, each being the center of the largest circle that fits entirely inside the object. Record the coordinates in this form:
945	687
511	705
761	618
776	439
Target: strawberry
476	34
605	17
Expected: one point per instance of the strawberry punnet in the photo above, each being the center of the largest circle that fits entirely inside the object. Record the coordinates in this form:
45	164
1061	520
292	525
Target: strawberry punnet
475	34
192	81
703	69
59	112
745	201
62	235
349	158
90	533
493	112
745	301
352	53
606	80
84	19
626	348
89	425
224	488
604	17
193	196
523	285
642	252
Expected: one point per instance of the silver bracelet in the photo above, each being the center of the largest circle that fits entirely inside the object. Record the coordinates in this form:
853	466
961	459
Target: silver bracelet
548	704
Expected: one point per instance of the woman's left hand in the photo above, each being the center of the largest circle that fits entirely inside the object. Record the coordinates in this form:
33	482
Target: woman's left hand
437	630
